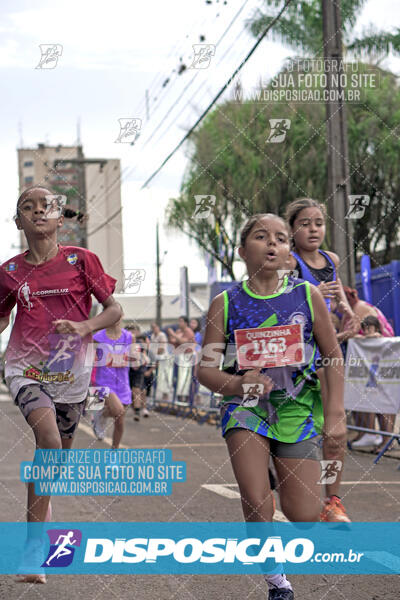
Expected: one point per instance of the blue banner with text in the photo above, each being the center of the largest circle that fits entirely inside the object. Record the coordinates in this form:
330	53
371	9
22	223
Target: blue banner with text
203	548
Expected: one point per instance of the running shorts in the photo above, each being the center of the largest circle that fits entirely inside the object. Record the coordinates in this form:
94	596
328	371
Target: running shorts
35	396
148	383
136	378
282	418
307	449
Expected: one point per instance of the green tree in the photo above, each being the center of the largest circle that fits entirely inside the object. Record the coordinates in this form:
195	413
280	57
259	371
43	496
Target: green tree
232	160
374	146
300	28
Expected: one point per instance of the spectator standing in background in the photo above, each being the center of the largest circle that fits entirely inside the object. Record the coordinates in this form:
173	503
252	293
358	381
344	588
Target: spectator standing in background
371	328
158	341
159	352
183	334
195	326
137	371
184	357
363	309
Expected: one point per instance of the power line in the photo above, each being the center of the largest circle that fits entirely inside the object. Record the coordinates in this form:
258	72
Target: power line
163	122
167	126
188	85
222	90
160	76
126	171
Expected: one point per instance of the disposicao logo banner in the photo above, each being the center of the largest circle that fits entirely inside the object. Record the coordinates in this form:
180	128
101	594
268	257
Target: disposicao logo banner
203	548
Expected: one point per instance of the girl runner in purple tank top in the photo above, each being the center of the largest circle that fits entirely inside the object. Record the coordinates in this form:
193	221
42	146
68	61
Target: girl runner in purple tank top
112	372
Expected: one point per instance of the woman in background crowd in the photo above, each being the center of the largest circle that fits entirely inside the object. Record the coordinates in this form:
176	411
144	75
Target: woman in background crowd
371	328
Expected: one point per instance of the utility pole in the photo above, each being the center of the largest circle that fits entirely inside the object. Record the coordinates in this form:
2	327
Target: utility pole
158	280
147	106
82	190
341	238
81	161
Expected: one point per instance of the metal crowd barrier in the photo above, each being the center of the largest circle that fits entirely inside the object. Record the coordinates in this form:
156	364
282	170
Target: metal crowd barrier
176	390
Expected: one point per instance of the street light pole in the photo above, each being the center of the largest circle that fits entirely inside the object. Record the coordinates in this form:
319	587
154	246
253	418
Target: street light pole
341	238
158	280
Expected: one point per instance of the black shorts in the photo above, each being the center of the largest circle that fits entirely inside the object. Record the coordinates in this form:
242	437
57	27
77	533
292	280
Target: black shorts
136	378
148	383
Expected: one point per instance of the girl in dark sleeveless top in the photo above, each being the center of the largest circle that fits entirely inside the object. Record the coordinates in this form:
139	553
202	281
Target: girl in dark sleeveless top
306	218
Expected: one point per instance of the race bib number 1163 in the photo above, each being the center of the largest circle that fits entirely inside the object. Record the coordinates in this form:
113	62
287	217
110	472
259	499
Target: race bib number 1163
267	347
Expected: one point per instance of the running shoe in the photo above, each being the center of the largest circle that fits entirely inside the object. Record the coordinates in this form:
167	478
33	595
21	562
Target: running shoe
334	511
145	413
280	594
368	439
99	425
136	415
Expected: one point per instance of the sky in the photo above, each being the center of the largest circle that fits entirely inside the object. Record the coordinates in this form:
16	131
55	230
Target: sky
110	57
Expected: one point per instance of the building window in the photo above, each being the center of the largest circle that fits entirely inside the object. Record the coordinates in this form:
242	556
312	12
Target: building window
28	179
28	163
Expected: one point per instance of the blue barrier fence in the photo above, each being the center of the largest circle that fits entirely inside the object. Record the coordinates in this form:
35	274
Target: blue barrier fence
385	283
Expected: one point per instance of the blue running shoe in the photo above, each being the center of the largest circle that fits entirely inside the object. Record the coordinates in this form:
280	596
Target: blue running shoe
280	594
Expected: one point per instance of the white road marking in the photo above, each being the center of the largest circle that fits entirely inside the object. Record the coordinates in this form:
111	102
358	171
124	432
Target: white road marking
370	482
223	489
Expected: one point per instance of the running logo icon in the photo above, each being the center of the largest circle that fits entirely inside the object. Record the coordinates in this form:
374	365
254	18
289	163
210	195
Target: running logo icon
54	205
282	273
96	397
129	131
202	55
50	54
204	206
23	295
133	280
252	393
62	547
357	207
63	348
279	129
330	470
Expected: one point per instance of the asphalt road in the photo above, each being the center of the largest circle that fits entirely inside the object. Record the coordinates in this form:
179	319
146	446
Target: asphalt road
371	493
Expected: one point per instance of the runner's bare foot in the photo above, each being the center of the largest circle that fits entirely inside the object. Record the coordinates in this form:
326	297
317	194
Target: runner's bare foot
36	578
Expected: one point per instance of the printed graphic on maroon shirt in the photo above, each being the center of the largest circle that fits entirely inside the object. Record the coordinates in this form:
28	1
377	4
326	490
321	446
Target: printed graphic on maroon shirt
60	288
25	296
63	349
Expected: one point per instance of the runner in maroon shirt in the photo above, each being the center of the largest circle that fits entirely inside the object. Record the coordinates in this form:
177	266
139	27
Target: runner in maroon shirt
48	359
